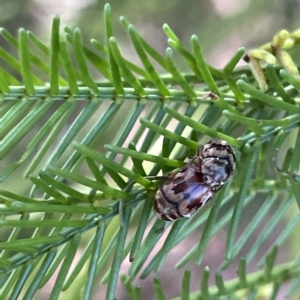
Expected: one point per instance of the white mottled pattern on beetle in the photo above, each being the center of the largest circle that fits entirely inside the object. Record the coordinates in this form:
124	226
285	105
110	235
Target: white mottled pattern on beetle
195	183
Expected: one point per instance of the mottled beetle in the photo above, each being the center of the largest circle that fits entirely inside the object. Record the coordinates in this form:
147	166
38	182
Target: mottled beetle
194	184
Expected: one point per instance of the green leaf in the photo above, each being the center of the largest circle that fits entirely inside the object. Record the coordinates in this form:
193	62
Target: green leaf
88	135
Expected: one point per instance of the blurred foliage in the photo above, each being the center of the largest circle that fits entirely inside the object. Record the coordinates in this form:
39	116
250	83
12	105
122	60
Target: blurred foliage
222	26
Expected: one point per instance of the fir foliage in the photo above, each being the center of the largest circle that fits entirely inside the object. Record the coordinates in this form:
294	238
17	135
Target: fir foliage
83	132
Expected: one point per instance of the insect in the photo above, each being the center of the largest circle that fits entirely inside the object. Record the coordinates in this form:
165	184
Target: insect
194	184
